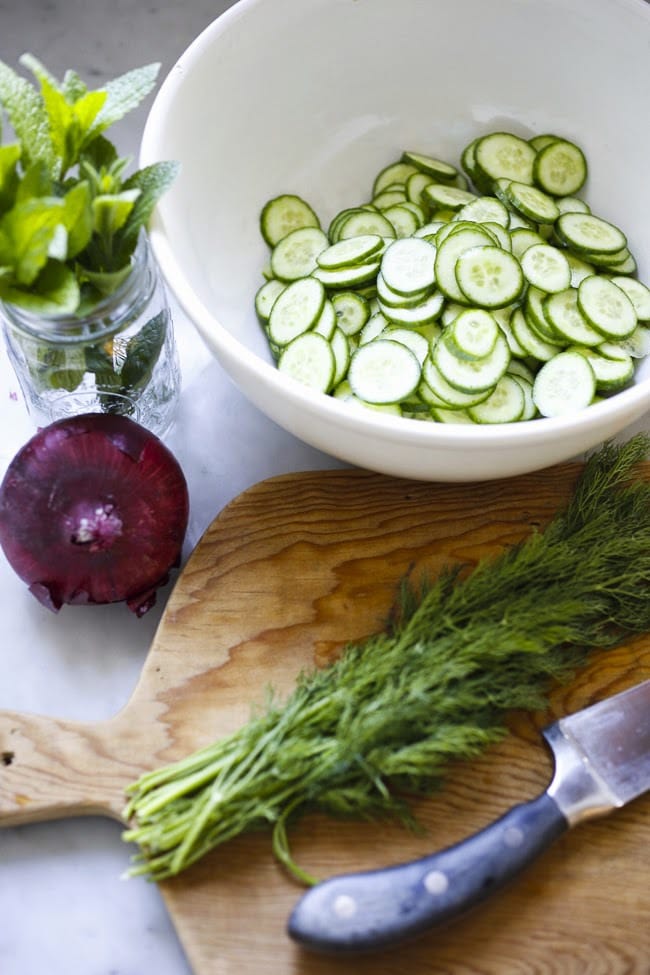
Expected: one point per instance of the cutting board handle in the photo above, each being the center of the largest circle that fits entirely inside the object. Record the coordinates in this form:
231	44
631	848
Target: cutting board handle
52	768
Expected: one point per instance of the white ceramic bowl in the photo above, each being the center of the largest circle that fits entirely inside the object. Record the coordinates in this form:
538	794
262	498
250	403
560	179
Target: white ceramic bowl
314	97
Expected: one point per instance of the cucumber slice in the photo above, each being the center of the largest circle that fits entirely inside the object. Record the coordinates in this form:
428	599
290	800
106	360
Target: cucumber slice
560	168
403	219
527	339
585	232
438	195
541	141
310	361
505	404
373	328
326	320
436	391
352	250
352	311
452	244
638	293
504	155
266	295
611	374
473	334
563	312
345	277
341	351
532	202
388	197
296	310
295	255
442	415
521	238
387	296
283	214
489	277
564	385
471	376
427	310
417	343
361	222
407	266
429	165
485	209
397	172
546	268
606	307
572	204
383	372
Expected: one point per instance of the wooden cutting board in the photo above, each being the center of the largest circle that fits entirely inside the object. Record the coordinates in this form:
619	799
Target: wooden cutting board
289	571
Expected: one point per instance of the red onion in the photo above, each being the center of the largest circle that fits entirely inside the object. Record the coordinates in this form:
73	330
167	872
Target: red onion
94	509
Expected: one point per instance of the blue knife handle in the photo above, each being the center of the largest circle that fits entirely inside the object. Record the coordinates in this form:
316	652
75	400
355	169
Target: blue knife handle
365	911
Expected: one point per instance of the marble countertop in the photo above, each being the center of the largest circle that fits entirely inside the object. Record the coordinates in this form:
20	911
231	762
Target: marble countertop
63	908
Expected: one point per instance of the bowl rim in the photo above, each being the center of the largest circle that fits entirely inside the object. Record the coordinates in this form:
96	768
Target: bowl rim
630	402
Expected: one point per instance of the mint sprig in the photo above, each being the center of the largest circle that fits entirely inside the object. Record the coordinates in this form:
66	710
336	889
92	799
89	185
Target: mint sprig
70	217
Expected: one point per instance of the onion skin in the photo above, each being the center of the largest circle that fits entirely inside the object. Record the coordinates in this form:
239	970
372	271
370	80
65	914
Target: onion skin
94	509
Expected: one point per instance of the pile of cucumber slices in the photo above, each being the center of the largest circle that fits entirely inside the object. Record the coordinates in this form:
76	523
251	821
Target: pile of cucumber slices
485	293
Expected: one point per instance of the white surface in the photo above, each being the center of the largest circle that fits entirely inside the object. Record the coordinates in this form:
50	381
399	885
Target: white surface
325	132
63	908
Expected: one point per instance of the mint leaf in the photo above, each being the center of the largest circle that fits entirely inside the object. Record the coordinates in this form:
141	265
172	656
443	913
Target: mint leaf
9	156
125	93
56	292
152	181
27	114
35	183
111	211
26	234
78	218
73	87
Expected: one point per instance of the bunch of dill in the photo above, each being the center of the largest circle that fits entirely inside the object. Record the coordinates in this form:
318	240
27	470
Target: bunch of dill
388	716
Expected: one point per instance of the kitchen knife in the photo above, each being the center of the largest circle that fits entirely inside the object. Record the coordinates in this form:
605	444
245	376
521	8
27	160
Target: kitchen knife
602	762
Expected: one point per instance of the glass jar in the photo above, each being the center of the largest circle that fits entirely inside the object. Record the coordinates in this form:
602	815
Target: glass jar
119	358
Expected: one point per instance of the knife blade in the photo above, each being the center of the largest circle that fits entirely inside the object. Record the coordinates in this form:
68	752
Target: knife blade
602	762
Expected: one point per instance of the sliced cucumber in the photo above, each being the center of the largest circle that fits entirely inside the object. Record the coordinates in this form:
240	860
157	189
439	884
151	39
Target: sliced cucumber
489	277
472	376
283	214
546	268
473	334
606	307
564	385
563	312
505	404
504	155
352	250
450	247
266	295
310	361
560	168
296	310
429	165
638	293
532	202
485	302
383	372
407	265
295	255
586	232
352	311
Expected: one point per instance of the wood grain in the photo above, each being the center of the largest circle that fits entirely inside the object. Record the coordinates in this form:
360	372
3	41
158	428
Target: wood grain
286	574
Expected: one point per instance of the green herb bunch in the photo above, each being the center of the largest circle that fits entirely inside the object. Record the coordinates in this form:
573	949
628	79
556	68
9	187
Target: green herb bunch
386	719
70	217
